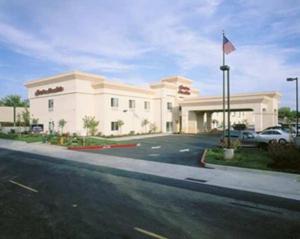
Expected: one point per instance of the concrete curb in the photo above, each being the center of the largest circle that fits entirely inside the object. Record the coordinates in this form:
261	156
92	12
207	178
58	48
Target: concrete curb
251	170
100	147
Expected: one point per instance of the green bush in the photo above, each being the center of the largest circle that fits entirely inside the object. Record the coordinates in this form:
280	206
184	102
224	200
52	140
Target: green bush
234	143
284	156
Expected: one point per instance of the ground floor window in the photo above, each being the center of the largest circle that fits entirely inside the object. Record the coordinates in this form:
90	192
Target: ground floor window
169	126
114	126
51	126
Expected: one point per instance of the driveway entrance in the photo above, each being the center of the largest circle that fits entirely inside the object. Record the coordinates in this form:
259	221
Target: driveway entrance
175	149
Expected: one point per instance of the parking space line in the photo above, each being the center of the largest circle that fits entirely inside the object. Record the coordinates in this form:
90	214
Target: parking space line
184	150
153	155
156	147
151	234
24	186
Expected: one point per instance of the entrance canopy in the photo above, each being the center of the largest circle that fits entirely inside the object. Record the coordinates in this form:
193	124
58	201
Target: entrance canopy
264	106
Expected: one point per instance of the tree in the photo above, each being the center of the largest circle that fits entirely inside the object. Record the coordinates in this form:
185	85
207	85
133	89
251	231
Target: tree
285	112
14	101
145	122
153	127
90	124
18	122
61	124
26	117
120	123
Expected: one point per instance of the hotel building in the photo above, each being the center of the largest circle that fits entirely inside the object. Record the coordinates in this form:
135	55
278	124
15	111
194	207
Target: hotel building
170	105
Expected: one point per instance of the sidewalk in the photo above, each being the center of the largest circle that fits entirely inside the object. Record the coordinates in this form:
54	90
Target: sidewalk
270	183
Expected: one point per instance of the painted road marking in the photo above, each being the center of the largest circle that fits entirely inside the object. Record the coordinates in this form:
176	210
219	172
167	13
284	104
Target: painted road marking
151	234
156	147
23	186
138	145
153	155
184	150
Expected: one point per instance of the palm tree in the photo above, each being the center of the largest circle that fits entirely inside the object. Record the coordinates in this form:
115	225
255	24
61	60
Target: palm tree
14	101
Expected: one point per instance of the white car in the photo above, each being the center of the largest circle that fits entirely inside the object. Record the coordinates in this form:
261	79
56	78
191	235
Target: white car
277	135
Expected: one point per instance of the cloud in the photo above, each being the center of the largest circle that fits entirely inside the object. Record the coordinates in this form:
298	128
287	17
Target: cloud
30	45
139	40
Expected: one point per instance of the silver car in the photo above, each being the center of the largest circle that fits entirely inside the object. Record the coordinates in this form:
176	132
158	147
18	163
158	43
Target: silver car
270	135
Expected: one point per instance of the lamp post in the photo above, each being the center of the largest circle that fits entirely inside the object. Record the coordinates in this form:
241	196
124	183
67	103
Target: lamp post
227	69
295	79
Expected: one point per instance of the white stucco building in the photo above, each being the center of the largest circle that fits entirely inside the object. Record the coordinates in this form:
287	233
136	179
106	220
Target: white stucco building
172	105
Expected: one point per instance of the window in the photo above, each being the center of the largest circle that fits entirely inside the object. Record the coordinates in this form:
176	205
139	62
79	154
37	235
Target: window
131	104
114	126
50	105
169	106
51	126
147	105
114	102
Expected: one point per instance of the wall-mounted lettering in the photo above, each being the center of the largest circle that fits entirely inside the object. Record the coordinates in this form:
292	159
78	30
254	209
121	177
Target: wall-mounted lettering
184	90
49	91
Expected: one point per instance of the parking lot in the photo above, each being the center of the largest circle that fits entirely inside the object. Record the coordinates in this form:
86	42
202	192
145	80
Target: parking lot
175	149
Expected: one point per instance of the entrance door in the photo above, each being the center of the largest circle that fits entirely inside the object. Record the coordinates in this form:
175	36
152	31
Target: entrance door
169	126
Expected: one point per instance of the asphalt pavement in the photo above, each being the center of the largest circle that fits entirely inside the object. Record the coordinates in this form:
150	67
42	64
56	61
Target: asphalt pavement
44	197
174	149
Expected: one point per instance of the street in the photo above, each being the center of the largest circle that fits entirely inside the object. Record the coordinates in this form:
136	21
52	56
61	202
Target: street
44	197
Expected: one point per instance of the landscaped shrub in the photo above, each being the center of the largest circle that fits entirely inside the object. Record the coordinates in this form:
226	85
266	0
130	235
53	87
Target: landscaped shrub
234	143
7	124
284	156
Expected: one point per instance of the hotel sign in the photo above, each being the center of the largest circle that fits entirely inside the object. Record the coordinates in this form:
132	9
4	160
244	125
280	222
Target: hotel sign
184	90
49	91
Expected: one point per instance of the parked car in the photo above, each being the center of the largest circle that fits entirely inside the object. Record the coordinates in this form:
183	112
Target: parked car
285	128
245	136
239	126
270	135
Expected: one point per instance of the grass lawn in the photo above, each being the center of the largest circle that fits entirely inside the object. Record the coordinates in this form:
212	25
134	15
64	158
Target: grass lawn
95	141
29	138
244	157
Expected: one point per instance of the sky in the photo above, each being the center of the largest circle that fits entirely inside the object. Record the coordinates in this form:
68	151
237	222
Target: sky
141	41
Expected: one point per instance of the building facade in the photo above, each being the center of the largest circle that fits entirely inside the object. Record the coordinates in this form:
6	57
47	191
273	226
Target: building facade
171	105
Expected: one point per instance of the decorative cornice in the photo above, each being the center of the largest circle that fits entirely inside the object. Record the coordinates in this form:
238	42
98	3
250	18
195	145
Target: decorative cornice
65	77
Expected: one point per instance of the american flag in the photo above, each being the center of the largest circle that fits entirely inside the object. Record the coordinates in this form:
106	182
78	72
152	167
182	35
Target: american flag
227	46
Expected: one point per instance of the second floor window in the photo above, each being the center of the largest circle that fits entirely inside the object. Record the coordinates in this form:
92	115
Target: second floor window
131	104
50	104
169	106
114	102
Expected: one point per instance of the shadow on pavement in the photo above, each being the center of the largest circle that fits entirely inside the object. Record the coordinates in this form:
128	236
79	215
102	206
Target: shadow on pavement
290	204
